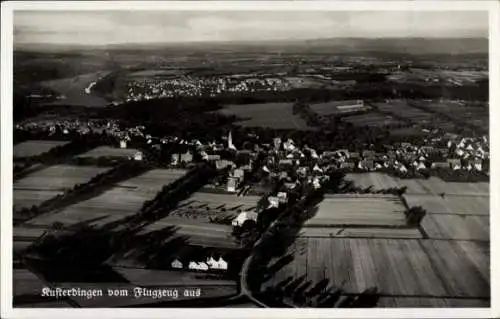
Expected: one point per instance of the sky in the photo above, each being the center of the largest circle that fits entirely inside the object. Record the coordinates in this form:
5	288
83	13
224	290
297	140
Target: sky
119	27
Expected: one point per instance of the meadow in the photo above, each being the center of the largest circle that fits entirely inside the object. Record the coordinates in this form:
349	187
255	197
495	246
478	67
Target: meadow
35	148
273	115
372	119
365	210
42	185
108	151
430	186
399	268
123	200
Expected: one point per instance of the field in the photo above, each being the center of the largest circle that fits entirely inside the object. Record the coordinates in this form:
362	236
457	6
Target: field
366	210
192	218
124	199
108	151
73	89
475	115
331	108
458	227
397	267
363	232
35	148
431	186
401	108
451	204
203	205
274	115
49	182
371	119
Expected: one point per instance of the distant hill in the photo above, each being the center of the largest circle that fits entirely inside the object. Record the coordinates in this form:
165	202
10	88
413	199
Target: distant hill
334	45
406	45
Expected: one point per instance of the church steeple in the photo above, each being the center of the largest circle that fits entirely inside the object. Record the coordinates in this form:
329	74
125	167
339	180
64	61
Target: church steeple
230	144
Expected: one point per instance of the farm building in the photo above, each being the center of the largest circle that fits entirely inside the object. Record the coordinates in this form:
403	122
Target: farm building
138	156
217	264
243	217
176	264
186	157
232	184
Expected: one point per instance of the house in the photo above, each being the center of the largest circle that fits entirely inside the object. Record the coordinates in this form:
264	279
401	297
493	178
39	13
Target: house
368	154
221	264
454	163
138	156
354	155
186	157
290	185
347	165
403	169
211	262
302	170
223	163
478	164
123	144
174	159
421	166
193	265
232	184
316	183
277	142
440	165
284	162
176	264
244	216
317	169
282	197
217	264
212	157
202	266
238	173
273	201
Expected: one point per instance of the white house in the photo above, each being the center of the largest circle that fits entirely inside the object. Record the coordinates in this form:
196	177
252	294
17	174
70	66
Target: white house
123	143
244	216
211	262
138	156
192	265
317	169
174	159
282	197
176	264
316	183
403	169
420	166
217	264
202	266
186	157
222	264
273	201
232	184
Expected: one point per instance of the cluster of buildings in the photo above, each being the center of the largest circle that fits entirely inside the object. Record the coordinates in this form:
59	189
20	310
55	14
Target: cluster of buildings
209	264
145	90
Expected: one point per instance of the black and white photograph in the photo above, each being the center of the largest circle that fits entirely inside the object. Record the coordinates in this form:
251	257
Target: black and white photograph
235	156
